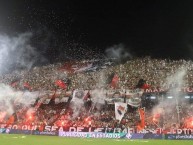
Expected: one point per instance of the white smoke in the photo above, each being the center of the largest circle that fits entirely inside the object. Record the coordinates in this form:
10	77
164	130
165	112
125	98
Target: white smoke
77	102
168	107
177	78
118	52
16	52
97	97
10	97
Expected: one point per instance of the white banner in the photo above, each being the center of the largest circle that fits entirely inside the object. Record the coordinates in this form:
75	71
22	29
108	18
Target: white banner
120	110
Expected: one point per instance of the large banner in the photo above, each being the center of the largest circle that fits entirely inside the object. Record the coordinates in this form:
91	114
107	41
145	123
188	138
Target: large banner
111	135
93	135
186	131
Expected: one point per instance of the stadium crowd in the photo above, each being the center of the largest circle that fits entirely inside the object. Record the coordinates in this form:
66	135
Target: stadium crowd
154	71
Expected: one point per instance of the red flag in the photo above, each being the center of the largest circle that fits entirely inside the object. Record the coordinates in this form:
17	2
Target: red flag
15	83
68	67
145	86
141	124
38	105
27	86
114	81
61	84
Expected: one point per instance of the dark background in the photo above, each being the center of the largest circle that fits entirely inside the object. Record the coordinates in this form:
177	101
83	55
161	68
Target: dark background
161	29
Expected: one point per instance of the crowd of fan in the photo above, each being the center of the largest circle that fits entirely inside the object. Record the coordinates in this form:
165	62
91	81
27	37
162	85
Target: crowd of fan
154	71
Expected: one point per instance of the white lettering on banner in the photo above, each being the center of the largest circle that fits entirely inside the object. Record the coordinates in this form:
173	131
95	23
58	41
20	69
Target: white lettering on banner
34	127
184	137
99	130
72	129
24	127
148	90
47	133
157	90
73	134
79	129
158	130
179	131
89	135
14	127
61	129
54	128
117	130
47	128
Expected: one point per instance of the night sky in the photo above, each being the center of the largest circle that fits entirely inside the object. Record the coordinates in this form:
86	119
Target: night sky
160	29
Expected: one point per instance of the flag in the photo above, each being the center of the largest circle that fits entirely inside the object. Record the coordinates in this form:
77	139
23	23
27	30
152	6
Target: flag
39	102
142	84
114	81
145	86
15	83
87	96
68	67
141	123
26	86
84	67
109	78
52	100
76	66
120	110
61	84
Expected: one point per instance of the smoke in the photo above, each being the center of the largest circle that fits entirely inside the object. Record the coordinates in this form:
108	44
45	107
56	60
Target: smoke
77	102
97	97
9	98
177	78
16	52
167	107
118	52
